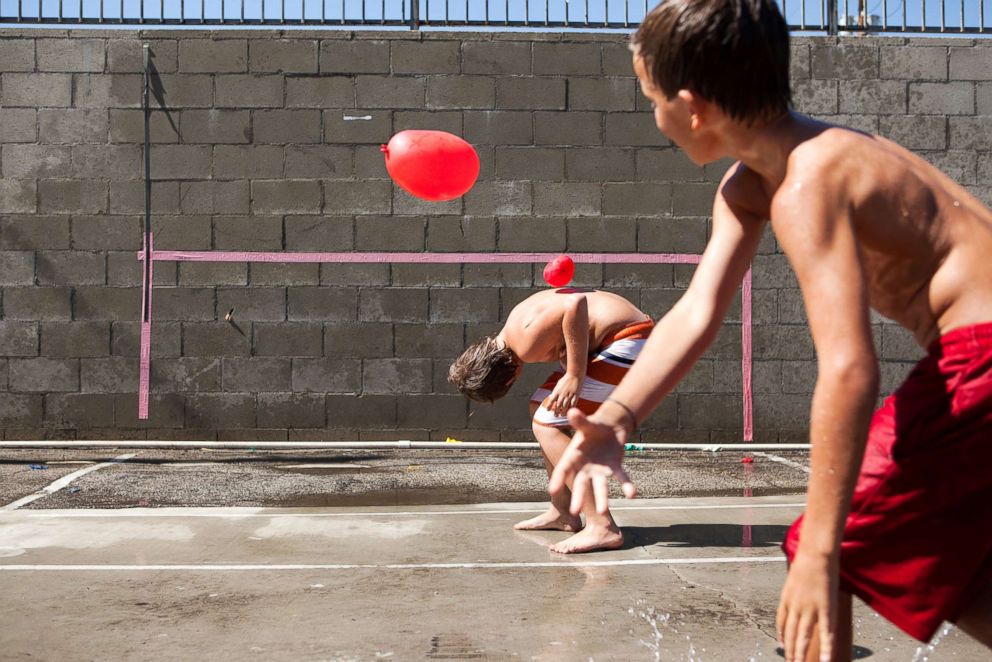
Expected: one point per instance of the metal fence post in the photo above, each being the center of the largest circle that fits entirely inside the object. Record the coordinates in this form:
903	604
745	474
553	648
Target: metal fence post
832	18
414	14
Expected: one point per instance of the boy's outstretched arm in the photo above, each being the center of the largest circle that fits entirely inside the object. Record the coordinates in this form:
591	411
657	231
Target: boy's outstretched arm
679	339
575	331
813	225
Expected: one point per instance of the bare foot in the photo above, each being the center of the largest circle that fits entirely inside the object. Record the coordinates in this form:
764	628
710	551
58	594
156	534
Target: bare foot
551	520
590	539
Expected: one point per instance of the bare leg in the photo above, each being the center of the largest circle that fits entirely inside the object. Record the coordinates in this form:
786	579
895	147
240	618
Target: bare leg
977	618
843	637
557	517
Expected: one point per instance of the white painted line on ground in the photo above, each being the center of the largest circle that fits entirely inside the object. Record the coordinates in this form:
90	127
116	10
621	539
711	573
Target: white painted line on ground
782	460
248	512
63	482
254	567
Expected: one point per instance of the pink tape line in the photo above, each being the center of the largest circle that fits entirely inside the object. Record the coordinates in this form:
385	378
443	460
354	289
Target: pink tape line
144	365
438	258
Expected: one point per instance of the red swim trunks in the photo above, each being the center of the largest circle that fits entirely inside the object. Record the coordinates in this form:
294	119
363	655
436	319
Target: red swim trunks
917	545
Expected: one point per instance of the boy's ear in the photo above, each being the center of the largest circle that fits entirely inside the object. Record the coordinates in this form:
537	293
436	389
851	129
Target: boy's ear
697	106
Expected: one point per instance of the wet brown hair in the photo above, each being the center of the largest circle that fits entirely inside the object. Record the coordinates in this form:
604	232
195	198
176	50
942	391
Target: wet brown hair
485	371
734	53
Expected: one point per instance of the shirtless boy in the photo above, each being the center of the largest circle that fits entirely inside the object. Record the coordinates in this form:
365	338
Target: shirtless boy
595	336
899	507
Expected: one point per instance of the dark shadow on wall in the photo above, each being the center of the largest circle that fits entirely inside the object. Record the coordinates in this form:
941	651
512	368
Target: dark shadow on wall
157	89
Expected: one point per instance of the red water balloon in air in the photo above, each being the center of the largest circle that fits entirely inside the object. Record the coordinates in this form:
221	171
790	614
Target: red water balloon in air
433	165
559	271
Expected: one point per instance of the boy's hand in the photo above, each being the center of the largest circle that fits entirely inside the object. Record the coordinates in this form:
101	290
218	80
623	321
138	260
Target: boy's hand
564	396
809	600
594	454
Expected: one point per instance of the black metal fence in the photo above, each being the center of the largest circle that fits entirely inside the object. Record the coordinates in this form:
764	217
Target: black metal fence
829	16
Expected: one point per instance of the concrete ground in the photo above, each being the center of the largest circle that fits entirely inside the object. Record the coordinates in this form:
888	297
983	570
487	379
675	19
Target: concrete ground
335	556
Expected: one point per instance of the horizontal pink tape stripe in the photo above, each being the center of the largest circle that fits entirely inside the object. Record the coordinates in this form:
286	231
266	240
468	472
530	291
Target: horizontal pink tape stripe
434	258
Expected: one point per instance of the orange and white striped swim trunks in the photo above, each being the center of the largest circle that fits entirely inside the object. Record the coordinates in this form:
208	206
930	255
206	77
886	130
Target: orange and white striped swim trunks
606	367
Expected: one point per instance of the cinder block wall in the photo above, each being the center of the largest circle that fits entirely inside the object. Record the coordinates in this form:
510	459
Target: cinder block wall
252	149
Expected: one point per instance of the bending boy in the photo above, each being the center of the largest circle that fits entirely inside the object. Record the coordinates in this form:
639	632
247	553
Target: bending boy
899	506
595	336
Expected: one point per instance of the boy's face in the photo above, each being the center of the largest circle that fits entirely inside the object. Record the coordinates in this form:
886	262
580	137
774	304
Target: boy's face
677	118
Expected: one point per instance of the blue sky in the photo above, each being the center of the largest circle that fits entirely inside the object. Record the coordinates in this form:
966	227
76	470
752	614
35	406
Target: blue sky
578	11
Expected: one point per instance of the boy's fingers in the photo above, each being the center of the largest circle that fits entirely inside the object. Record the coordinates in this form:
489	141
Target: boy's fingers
626	484
805	628
601	490
826	639
789	643
580	486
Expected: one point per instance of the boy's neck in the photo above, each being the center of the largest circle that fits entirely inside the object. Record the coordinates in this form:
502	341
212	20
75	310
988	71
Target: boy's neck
765	148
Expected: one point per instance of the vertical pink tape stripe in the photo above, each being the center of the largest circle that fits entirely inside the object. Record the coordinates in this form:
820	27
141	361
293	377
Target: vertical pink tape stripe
746	358
144	364
425	258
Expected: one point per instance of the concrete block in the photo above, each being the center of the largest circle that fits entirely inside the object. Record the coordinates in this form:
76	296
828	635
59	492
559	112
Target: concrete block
220	410
366	411
182	233
669	235
633	129
33	232
211	197
915	131
127	55
498	127
184	91
290	56
791	308
525	234
615	94
253	304
113	374
26	161
123	270
914	63
21	409
970	63
319	233
392	305
101	303
667	165
18	338
786	411
482	57
865	123
790	343
125	338
705	411
351	340
953	98
327	375
357	197
127	126
602	235
274	274
389	233
75	339
354	57
241	162
502	198
291	410
985	167
447	412
570	59
320	92
119	162
213	55
17	55
18	196
215	126
461	235
105	90
20	125
404	376
426	275
71	268
898	344
983	100
213	339
322	304
106	233
773	272
16	268
540	163
248	91
567	199
799	60
69	55
184	303
255	233
635	198
600	164
692	199
390	92
872	96
56	125
527	93
289	339
185	375
43	375
457	92
36	90
37	303
498	275
973	133
438	120
211	274
617	60
816	96
80	410
369	162
845	61
429	340
464	305
637	275
285	196
425	57
256	375
353	274
181	162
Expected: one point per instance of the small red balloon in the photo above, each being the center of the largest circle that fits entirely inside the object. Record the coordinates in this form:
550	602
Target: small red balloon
432	165
747	459
559	271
